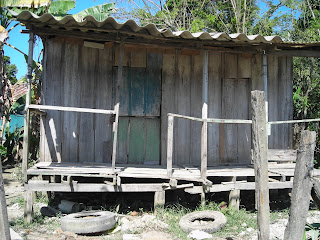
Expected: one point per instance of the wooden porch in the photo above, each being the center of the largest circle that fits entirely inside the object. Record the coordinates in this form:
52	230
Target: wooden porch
64	177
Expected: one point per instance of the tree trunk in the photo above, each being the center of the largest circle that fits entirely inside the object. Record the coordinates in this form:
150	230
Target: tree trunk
4	224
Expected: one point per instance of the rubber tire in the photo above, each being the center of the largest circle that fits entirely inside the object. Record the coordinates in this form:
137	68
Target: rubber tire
187	223
81	223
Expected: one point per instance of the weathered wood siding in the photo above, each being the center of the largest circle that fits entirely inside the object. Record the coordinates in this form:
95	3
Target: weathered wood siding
156	82
231	79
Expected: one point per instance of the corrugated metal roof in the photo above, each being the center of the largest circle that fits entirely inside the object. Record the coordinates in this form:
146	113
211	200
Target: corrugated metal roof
109	24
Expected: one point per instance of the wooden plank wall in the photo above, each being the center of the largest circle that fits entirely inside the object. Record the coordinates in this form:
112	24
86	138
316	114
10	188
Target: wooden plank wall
85	77
232	77
76	76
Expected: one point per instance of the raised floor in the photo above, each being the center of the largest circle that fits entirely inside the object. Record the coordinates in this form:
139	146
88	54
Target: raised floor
88	177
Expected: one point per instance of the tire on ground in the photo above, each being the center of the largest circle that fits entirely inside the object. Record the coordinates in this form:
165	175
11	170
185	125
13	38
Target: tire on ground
88	222
212	222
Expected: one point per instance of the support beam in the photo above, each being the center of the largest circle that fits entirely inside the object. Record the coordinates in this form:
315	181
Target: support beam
28	206
115	137
260	160
170	146
234	197
302	184
265	87
27	111
204	131
159	199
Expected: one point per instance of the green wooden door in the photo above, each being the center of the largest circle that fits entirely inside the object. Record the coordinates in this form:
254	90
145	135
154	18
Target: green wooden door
139	121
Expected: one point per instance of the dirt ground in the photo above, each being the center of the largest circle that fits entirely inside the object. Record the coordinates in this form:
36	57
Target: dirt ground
49	228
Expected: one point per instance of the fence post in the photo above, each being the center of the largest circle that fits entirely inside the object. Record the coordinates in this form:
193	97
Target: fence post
301	189
260	151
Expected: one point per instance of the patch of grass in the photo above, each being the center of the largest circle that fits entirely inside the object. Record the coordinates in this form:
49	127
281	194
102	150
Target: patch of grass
275	215
237	221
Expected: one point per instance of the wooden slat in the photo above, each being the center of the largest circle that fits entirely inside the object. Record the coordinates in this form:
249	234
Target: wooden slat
257	81
136	136
123	89
214	107
152	141
229	145
90	187
182	101
54	80
152	92
244	66
123	140
138	56
136	91
195	108
167	100
87	91
282	155
282	104
115	128
273	100
231	65
103	127
71	91
242	105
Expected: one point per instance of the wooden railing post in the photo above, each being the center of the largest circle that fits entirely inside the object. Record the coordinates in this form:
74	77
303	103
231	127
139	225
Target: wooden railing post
170	145
115	137
301	189
260	160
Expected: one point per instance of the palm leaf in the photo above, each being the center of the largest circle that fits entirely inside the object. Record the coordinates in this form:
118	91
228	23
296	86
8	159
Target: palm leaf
99	12
26	3
61	7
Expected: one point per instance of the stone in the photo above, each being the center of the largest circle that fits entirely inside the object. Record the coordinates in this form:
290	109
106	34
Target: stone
199	235
131	237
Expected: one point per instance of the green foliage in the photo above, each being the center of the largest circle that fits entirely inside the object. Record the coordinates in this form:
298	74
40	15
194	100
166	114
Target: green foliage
313	230
11	70
99	12
8	150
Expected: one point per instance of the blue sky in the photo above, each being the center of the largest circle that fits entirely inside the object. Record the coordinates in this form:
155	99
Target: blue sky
20	41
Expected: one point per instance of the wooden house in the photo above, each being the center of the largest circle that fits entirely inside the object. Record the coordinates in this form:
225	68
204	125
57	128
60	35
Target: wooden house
91	66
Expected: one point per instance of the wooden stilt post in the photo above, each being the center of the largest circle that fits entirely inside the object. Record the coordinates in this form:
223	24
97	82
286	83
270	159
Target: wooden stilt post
28	210
301	189
204	130
234	197
159	199
260	160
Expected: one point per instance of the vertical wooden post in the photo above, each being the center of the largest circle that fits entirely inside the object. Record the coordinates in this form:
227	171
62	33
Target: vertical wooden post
4	224
117	107
170	145
28	206
260	150
265	86
159	199
301	189
115	137
204	130
234	196
27	111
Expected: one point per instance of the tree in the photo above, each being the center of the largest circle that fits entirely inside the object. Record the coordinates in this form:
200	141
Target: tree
230	16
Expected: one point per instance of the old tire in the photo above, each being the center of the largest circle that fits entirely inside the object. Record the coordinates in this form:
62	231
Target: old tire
212	221
88	222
